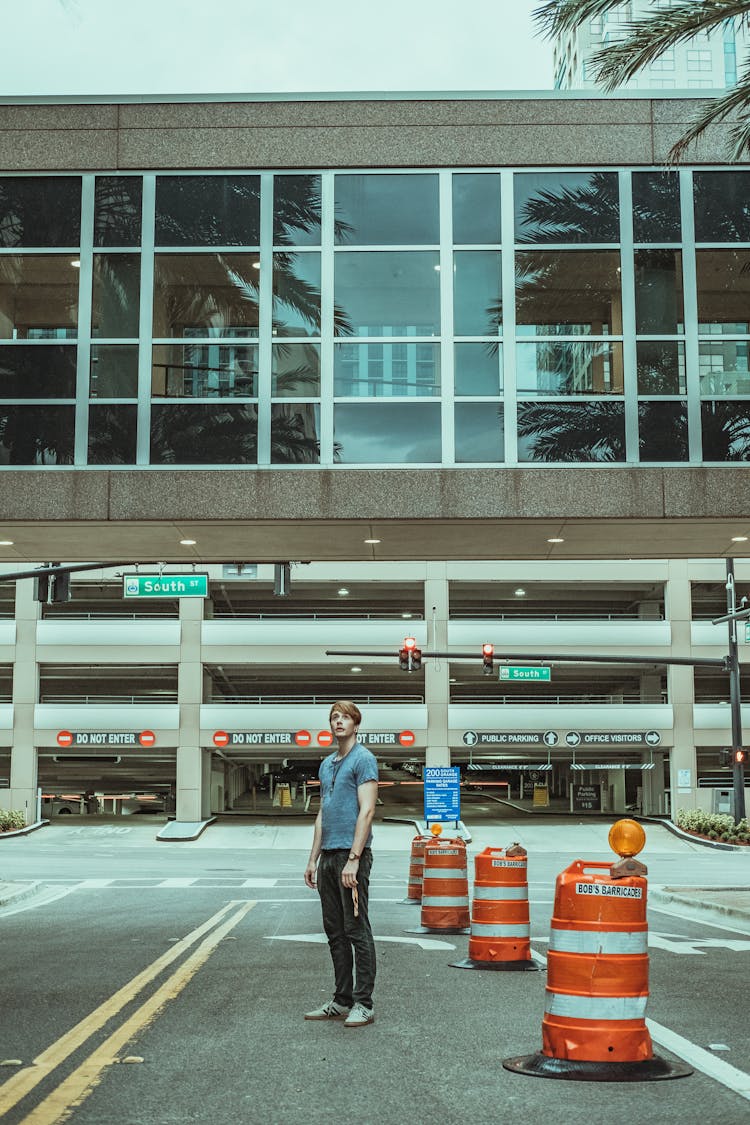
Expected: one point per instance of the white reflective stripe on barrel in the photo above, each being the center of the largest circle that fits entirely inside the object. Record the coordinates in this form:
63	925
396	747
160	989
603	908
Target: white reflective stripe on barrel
598	941
445	900
495	929
595	1007
499	894
445	872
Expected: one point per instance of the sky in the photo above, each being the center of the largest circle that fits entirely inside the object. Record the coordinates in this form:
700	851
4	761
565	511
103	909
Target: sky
79	47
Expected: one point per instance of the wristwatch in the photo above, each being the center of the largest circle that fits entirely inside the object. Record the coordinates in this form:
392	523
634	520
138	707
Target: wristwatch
353	855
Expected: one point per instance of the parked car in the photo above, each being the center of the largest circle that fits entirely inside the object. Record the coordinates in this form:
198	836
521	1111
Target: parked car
60	806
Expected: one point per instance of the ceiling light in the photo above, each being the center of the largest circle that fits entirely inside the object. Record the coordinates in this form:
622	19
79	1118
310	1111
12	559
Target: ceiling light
555	539
6	542
76	263
256	265
371	540
355	668
342	592
739	539
406	616
188	542
520	592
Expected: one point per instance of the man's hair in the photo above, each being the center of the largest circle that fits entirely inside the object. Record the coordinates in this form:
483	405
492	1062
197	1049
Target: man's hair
347	707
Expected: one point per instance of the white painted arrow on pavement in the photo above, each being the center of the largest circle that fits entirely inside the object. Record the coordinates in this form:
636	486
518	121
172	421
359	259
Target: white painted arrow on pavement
321	939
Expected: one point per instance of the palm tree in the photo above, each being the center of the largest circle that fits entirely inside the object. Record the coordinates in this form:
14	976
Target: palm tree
646	39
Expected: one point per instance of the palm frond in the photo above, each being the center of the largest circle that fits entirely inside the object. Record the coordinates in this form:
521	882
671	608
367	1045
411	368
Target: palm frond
558	16
714	113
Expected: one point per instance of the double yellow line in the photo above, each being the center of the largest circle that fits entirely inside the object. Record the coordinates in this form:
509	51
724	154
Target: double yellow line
74	1089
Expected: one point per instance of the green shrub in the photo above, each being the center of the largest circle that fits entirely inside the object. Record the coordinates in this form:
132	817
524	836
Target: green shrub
11	820
717	826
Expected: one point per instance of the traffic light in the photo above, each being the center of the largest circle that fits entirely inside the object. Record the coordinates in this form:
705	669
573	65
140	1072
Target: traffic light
488	656
725	756
733	755
53	587
739	756
409	656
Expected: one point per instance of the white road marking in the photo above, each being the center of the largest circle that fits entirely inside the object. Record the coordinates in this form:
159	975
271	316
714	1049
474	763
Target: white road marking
321	939
176	882
260	883
738	1081
42	898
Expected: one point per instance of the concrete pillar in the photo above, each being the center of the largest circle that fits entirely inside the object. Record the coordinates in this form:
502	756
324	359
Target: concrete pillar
23	756
437	672
193	776
681	687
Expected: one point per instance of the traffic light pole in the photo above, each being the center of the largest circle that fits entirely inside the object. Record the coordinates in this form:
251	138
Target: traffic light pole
735	697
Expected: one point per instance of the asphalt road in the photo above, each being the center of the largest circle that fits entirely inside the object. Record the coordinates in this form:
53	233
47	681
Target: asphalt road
158	984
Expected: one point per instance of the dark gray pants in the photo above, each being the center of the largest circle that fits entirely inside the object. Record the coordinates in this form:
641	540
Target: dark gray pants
349	939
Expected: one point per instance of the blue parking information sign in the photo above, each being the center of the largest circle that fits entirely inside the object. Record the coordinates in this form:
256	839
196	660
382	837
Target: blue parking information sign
442	793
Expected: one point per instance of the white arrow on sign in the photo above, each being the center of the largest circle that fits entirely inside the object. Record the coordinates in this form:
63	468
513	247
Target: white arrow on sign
321	939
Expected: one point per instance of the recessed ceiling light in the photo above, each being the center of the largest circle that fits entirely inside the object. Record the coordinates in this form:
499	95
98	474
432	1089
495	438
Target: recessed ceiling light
355	668
739	539
520	592
188	542
406	616
342	592
76	263
6	542
256	265
555	539
371	540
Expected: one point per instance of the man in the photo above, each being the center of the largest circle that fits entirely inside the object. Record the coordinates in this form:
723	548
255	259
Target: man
340	863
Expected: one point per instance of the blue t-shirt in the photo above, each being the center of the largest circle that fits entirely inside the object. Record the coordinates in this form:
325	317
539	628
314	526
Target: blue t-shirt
339	803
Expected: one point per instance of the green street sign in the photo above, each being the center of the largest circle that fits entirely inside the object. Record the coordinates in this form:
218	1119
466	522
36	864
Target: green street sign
511	672
165	585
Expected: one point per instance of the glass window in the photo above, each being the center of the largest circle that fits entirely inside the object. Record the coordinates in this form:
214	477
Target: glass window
663	431
296	294
37	371
36	435
387	293
386	370
722	206
477	293
656	207
112	435
723	291
476	208
204	435
478	369
116	295
38	296
395	433
568	292
571	432
296	210
117	211
661	367
723	366
559	367
658	292
726	430
206	295
295	370
40	211
114	371
208	370
295	433
387	210
567	207
207	210
479	432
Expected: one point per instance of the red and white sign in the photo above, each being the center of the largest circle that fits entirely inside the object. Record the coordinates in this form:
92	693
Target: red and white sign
325	738
221	738
65	738
147	738
406	738
303	738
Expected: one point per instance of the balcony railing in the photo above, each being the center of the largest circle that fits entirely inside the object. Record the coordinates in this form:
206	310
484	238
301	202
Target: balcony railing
322	700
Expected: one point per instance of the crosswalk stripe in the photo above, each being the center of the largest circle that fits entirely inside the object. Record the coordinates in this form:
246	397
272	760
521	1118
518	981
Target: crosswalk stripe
176	882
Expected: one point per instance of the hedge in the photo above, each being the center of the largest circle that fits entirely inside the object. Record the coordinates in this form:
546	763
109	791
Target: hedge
716	826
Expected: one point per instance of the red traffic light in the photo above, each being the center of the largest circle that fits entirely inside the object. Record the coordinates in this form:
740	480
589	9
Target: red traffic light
409	656
488	655
410	642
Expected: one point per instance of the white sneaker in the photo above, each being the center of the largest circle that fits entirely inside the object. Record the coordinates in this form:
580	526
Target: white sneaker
329	1011
359	1016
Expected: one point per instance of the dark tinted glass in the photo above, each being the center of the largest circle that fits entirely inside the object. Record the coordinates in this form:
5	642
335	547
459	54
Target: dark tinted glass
114	371
204	435
723	279
387	293
663	431
722	206
116	295
296	210
207	210
204	371
723	366
36	435
40	211
296	294
295	370
117	211
567	207
656	207
658	292
479	432
389	432
477	293
567	367
295	433
112	434
477	369
38	296
476	208
661	367
386	370
387	210
572	432
726	430
569	292
206	295
41	371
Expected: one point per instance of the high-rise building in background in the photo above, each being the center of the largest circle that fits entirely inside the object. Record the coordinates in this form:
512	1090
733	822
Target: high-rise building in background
704	63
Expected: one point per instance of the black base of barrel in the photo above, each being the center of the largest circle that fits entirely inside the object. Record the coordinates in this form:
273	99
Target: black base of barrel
434	930
649	1070
497	966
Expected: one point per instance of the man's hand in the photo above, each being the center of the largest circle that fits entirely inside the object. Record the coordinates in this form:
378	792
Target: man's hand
349	874
311	875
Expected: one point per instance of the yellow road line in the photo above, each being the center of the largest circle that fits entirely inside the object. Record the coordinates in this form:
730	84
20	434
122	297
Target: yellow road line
23	1081
58	1105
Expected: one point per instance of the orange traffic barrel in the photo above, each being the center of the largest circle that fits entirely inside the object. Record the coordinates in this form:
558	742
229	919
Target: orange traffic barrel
445	889
500	933
594	1025
416	870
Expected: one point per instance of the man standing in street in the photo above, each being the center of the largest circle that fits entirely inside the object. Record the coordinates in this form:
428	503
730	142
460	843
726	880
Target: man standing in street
340	863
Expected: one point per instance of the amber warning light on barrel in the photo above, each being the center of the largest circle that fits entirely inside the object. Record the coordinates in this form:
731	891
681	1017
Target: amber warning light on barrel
626	838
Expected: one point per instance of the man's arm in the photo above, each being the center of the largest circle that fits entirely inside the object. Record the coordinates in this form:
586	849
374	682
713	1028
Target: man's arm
311	870
367	795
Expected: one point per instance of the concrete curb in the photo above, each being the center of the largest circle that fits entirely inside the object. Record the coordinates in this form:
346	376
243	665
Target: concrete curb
718	845
24	831
180	831
15	892
705	910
